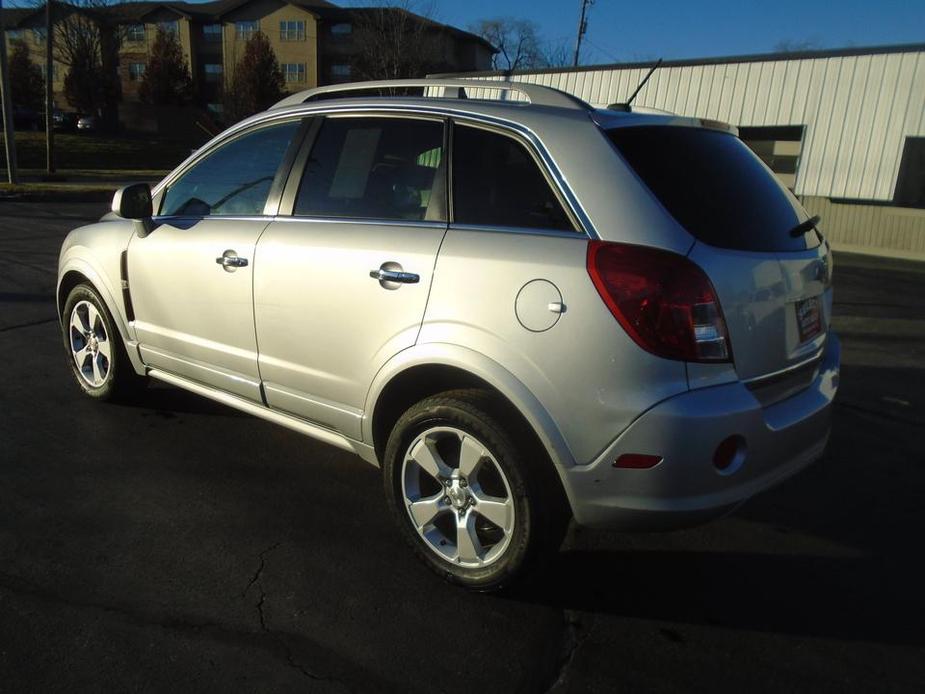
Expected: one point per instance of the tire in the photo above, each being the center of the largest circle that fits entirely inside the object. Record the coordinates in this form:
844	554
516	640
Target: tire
458	455
94	349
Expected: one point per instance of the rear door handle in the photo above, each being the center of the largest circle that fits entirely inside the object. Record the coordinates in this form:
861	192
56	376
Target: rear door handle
394	276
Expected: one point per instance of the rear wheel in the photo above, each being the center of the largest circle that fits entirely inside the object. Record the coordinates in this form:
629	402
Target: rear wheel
471	491
94	348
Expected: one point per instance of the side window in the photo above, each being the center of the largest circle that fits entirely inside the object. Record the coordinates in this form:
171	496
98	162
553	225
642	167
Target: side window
234	179
374	168
496	182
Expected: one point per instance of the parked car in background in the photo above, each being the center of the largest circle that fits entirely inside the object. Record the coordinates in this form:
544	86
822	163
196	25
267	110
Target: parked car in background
87	124
522	311
65	121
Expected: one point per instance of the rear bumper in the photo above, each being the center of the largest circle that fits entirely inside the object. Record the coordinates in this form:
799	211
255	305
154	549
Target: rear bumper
685	488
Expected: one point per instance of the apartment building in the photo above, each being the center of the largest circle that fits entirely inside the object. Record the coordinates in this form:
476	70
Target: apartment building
313	40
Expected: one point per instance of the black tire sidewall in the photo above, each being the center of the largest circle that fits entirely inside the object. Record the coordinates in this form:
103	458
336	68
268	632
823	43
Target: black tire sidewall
472	419
118	358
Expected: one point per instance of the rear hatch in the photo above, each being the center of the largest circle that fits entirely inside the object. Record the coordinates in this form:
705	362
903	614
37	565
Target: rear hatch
773	283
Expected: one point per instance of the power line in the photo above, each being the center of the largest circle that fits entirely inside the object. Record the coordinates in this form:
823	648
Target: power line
606	51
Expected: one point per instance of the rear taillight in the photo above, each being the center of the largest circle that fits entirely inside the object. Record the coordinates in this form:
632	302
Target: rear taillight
664	302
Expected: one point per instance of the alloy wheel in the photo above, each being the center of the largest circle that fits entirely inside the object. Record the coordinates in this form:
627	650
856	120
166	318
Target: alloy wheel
457	497
90	345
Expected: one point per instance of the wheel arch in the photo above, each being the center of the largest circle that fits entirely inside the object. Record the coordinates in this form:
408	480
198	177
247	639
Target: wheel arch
77	271
429	369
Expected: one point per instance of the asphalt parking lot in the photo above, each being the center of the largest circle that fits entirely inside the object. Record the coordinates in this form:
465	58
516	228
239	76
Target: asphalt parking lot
178	544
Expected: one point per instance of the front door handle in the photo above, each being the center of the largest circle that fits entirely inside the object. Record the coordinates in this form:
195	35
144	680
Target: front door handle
384	275
231	261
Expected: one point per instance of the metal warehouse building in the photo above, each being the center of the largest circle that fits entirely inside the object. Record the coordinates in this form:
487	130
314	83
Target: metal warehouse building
844	129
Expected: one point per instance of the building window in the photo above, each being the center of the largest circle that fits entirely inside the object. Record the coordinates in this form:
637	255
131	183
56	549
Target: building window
38	34
169	27
212	33
777	146
213	72
910	186
342	70
245	30
341	29
292	30
294	72
136	71
135	33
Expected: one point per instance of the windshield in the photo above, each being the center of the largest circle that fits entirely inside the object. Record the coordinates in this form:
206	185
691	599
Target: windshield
715	187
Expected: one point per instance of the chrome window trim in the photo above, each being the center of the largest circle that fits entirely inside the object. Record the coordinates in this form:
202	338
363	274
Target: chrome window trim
365	221
329	108
530	231
166	219
400	116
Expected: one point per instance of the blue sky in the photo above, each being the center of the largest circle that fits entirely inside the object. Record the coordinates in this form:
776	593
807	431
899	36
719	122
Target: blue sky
632	30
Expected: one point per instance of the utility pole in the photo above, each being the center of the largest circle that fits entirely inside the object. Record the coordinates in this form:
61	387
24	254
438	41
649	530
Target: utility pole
582	28
49	94
7	99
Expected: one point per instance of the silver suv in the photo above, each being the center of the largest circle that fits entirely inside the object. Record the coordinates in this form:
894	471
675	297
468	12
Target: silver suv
522	308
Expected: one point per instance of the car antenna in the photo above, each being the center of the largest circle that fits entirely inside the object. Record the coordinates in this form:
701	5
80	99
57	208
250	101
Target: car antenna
644	80
625	106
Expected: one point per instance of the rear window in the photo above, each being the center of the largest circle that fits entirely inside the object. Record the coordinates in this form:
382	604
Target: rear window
715	187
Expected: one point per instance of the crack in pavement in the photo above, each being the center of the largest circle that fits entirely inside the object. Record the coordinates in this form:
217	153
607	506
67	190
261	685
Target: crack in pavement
22	586
217	632
264	627
573	636
263	558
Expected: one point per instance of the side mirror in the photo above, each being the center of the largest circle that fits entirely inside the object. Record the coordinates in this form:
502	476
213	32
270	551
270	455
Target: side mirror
134	202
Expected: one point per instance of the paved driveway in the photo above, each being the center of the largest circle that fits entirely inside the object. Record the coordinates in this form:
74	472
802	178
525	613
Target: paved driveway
179	544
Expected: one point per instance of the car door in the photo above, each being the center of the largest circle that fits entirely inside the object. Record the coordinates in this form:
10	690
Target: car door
341	284
191	278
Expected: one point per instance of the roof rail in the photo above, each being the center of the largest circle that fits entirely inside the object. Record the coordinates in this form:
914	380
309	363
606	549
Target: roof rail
452	89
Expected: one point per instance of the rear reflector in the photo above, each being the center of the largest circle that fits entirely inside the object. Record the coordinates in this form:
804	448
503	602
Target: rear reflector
663	301
637	461
729	454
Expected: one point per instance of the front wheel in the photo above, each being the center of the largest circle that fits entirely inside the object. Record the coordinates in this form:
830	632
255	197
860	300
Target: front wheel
472	493
94	348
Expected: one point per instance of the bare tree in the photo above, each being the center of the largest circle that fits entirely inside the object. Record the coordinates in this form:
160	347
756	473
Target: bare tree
556	54
519	47
395	41
87	39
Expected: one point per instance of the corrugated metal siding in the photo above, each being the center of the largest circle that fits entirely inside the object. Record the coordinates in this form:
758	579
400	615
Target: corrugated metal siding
873	228
857	110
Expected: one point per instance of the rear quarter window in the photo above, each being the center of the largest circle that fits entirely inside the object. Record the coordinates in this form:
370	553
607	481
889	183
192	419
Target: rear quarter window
496	182
715	187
